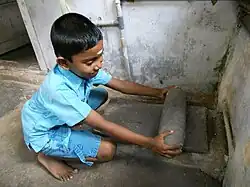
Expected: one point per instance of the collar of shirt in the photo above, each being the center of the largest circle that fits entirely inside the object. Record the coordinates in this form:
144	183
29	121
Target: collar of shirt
74	79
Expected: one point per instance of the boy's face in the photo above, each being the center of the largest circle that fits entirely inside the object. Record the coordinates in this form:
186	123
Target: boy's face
85	64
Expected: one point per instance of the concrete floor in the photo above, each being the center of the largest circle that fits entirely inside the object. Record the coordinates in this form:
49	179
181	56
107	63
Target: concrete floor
132	165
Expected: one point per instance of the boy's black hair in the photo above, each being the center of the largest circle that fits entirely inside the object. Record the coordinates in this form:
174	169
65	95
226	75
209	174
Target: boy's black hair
73	33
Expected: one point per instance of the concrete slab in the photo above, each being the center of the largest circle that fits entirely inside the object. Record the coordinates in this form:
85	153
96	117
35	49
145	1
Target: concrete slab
196	140
145	116
213	162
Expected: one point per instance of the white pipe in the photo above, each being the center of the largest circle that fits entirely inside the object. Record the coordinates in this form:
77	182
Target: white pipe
106	23
122	38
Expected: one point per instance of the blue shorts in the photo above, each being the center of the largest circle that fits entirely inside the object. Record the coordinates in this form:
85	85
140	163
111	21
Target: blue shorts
81	143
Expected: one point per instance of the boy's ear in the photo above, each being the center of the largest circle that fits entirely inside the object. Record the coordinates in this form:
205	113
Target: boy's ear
62	62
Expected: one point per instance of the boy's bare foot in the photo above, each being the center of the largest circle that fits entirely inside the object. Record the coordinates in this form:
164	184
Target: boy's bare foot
57	168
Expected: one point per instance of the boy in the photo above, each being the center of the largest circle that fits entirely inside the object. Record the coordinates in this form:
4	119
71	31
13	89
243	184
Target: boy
51	119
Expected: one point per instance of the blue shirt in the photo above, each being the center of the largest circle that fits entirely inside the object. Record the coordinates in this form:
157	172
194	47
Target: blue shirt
61	99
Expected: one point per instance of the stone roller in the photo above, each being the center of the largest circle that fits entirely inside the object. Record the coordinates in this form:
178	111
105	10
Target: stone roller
173	116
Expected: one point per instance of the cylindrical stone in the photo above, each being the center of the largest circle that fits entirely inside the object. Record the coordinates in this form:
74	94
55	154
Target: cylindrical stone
173	116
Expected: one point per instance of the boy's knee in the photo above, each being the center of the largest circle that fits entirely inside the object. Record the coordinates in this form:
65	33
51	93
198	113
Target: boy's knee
107	151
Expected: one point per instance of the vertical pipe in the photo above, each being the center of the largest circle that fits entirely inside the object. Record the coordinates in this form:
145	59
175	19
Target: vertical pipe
122	38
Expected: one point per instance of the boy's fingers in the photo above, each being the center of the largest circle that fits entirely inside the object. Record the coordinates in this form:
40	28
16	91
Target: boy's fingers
172	86
172	147
68	177
165	155
173	152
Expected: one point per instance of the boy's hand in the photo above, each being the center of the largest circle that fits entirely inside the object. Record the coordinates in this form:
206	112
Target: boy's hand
121	133
163	149
133	88
163	92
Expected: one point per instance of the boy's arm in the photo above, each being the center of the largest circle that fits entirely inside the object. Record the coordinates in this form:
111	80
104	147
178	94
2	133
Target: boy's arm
132	88
156	144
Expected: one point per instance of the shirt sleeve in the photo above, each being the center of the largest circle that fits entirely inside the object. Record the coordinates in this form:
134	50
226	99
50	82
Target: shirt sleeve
68	107
102	77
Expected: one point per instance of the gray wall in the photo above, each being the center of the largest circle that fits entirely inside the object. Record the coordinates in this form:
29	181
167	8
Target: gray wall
171	42
12	31
235	92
